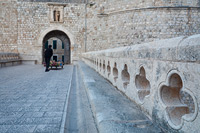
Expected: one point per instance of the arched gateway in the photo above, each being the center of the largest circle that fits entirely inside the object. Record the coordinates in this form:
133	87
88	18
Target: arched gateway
65	40
63	35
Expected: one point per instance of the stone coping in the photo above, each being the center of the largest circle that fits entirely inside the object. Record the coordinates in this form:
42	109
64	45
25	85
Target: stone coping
180	49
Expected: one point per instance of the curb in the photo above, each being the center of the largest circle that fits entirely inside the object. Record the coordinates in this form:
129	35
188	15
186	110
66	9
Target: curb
89	99
62	128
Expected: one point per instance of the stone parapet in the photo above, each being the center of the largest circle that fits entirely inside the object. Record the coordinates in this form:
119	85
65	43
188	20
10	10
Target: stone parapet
9	59
162	77
8	56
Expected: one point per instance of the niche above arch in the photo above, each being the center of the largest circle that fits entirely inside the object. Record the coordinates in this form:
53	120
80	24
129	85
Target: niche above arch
142	84
115	72
125	77
180	103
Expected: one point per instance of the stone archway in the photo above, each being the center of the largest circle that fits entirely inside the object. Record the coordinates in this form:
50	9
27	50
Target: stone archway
65	40
64	36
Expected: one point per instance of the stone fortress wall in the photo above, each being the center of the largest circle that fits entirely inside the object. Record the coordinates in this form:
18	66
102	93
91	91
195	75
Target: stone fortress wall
133	22
124	23
58	1
149	51
34	19
8	26
24	23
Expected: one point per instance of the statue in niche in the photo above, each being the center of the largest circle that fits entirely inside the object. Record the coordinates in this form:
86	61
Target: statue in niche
56	15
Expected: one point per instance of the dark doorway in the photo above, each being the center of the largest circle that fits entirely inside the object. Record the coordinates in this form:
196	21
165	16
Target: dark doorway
65	44
55	58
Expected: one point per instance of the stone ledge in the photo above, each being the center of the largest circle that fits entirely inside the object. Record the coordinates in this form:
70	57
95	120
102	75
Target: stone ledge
180	49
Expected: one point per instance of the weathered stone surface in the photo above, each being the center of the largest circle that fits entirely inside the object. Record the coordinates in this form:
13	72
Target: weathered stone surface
124	23
113	112
8	26
136	22
172	74
100	25
24	23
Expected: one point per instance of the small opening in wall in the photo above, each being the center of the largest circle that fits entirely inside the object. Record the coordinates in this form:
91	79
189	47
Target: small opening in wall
178	103
104	66
100	65
108	68
115	72
175	81
142	84
187	100
125	76
95	62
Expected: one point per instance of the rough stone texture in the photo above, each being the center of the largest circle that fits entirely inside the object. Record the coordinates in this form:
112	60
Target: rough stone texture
60	1
24	26
172	69
106	25
127	23
8	26
33	19
23	23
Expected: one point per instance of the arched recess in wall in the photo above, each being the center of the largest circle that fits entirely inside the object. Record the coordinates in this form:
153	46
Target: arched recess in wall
61	33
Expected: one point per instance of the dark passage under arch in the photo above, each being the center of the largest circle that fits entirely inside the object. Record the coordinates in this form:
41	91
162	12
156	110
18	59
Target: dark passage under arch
65	40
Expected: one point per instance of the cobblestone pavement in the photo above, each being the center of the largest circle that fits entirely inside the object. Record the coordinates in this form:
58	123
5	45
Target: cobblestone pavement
32	100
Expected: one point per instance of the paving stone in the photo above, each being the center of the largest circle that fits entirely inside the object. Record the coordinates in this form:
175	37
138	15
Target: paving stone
4	128
53	114
22	129
29	98
47	129
34	114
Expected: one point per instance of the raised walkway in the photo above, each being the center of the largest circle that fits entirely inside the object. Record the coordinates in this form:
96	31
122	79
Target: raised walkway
113	112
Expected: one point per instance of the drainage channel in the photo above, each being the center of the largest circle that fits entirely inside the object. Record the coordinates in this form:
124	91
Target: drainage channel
79	116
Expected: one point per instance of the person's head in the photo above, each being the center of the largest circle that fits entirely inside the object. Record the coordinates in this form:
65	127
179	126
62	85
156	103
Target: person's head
50	46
